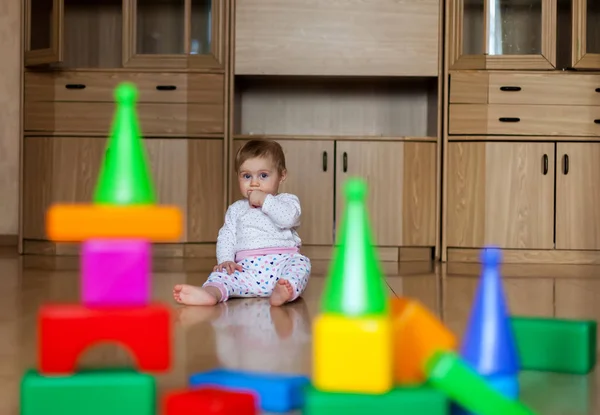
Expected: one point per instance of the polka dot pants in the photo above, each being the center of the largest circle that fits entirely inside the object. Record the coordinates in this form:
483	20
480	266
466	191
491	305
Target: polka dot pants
260	275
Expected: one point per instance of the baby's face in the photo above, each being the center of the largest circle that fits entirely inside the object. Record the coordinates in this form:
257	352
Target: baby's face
259	174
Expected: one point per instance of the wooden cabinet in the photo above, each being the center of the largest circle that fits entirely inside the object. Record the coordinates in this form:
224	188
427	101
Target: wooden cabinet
185	171
586	31
402	183
531	196
176	34
324	37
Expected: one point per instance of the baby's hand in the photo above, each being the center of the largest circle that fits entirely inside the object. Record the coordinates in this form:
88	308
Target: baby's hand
256	198
228	266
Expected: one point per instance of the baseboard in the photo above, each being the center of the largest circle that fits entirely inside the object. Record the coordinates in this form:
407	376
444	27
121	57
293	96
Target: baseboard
528	256
9	240
207	250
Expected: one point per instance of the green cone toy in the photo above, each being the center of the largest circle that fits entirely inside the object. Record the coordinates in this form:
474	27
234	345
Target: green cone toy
125	178
355	285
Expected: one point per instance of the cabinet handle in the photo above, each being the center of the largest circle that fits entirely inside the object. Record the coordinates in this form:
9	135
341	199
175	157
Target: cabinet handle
166	87
545	164
510	88
597	89
509	119
75	86
324	161
597	121
345	162
566	164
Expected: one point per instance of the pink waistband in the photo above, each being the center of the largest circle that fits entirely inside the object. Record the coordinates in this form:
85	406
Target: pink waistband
241	255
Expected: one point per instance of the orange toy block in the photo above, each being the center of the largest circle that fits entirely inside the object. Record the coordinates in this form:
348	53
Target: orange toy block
77	223
417	335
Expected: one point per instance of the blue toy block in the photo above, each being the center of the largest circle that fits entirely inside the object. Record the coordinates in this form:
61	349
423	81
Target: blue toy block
275	392
488	344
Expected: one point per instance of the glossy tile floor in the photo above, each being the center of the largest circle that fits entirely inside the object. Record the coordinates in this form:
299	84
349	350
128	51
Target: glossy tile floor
248	334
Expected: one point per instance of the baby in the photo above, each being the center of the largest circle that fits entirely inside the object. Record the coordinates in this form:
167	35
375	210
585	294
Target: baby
257	246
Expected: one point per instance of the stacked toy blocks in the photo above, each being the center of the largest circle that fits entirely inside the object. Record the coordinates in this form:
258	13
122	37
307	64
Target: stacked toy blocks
116	232
371	354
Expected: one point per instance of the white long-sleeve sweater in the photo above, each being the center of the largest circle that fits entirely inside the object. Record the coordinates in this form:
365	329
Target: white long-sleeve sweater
271	226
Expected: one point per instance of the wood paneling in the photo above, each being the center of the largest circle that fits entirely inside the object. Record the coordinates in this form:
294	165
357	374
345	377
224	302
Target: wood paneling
324	37
10	114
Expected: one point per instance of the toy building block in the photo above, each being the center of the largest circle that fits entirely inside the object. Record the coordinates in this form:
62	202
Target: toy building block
115	272
209	401
417	334
418	400
355	323
90	392
66	330
355	286
352	354
77	223
488	344
556	345
451	375
275	392
124	177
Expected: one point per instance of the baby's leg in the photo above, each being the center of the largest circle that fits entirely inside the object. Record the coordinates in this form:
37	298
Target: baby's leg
190	295
293	280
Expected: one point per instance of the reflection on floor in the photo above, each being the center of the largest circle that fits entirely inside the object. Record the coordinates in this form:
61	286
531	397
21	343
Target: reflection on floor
248	334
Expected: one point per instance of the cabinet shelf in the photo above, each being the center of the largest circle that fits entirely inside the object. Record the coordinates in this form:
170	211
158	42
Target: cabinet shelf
327	106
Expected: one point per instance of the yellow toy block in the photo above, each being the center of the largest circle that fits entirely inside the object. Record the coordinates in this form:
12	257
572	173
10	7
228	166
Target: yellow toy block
352	354
77	223
417	335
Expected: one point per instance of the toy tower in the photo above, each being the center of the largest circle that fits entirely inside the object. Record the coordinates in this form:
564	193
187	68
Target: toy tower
116	233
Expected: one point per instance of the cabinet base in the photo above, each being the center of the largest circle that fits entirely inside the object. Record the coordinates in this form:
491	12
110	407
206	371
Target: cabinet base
207	250
529	256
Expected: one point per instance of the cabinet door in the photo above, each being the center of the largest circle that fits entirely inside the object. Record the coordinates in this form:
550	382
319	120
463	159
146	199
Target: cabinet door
577	196
586	34
501	194
401	179
174	34
310	176
43	31
508	34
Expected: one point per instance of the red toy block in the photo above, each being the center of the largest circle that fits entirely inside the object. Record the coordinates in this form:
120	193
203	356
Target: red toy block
65	331
210	401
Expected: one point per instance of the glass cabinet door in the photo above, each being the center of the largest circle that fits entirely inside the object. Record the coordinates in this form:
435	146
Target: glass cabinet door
171	33
586	34
502	34
43	31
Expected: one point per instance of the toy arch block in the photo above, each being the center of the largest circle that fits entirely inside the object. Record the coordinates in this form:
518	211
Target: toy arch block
417	335
210	401
65	331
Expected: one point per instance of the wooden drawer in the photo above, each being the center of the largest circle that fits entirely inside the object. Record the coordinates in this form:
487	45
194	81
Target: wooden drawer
532	120
469	87
153	87
96	118
544	89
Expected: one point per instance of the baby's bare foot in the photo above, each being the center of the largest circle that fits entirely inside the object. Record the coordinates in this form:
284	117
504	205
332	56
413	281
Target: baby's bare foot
190	295
282	293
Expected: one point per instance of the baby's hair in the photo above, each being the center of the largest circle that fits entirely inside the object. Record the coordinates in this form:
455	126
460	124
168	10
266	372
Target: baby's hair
261	148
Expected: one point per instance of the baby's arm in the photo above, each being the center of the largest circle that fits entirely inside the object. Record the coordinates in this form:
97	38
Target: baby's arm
283	209
226	238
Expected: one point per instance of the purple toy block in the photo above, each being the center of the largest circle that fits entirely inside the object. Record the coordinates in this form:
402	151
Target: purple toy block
115	272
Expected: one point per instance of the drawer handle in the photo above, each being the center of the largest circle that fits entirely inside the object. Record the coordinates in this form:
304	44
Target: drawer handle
597	89
75	86
545	164
509	119
166	87
597	121
566	164
510	88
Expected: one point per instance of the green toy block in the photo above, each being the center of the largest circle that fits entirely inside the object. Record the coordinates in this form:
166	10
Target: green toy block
125	178
447	372
355	285
555	345
416	400
90	392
